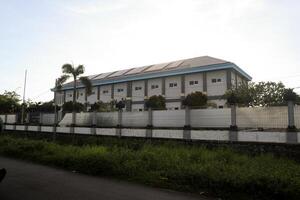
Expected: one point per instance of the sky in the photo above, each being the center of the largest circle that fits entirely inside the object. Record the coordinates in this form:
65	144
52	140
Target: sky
260	36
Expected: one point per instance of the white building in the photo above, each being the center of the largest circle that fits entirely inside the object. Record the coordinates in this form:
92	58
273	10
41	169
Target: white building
173	80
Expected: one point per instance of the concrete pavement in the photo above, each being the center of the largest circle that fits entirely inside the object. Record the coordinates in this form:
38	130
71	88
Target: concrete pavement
27	181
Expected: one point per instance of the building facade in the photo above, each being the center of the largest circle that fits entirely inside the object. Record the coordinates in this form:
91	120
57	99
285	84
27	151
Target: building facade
173	80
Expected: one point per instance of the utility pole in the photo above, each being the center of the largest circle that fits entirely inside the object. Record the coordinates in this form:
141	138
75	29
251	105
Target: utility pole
24	92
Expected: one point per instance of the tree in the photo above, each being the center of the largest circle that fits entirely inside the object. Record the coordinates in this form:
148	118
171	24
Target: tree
71	107
120	105
102	107
257	94
9	102
298	100
290	95
156	102
69	70
195	99
269	94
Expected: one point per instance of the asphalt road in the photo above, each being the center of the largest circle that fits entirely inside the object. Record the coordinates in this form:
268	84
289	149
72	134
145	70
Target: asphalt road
27	181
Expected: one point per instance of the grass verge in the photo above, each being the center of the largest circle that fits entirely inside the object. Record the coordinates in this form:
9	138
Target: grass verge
222	172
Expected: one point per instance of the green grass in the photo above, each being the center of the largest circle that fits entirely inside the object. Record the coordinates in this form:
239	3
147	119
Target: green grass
220	171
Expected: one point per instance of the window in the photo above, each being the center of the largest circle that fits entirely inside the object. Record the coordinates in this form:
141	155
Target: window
172	84
105	91
138	88
93	92
140	110
81	94
176	108
154	86
70	95
194	82
120	90
216	80
221	107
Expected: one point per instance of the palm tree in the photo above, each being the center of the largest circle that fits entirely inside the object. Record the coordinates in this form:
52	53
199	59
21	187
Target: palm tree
68	71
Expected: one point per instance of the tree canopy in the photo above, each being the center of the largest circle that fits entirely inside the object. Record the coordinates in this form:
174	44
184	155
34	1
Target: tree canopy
195	99
69	70
156	102
70	107
260	94
9	102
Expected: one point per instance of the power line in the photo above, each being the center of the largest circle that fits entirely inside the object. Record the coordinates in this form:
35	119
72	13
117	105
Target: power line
41	94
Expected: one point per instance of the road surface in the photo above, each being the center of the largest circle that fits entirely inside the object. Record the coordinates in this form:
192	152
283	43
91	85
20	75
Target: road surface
27	181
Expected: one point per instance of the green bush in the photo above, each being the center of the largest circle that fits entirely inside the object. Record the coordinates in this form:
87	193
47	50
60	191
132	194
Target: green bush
156	102
221	171
195	99
70	107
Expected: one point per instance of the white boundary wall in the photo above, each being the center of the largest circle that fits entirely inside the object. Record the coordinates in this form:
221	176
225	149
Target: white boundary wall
11	119
134	132
171	134
215	118
107	119
47	119
264	117
135	119
210	135
260	117
170	118
207	135
47	129
2	117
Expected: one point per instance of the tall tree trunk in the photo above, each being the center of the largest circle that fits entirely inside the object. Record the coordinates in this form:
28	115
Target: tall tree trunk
74	91
74	101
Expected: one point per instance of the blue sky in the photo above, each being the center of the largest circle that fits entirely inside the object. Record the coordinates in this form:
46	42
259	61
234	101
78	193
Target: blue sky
261	36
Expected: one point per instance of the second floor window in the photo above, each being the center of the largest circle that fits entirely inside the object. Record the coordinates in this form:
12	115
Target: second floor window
172	84
194	82
105	91
120	90
154	86
216	80
138	88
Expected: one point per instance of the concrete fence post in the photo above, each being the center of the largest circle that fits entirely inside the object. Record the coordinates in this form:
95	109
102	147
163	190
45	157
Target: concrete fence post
291	135
150	123
233	132
119	125
233	125
72	128
5	119
40	122
55	121
94	123
15	123
27	121
187	125
291	115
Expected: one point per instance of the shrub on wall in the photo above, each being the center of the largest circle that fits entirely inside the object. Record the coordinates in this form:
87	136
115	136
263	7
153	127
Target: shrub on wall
70	107
156	102
290	95
120	105
195	99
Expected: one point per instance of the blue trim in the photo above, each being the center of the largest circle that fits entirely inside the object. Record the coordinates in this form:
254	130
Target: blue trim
159	74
